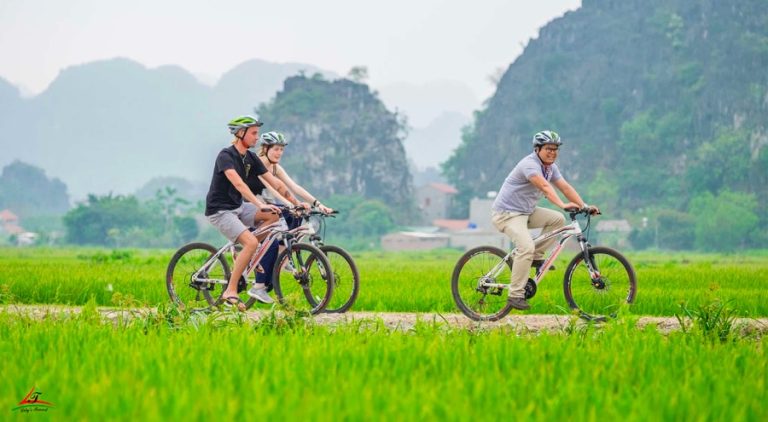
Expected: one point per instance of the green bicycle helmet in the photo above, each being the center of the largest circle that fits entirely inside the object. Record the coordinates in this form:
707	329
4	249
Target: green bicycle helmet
243	122
273	138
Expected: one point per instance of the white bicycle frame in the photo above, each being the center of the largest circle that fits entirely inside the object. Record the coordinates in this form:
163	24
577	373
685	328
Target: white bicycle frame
565	233
276	234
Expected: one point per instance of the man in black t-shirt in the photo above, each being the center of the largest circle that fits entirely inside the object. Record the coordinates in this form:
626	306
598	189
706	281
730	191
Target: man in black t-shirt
238	173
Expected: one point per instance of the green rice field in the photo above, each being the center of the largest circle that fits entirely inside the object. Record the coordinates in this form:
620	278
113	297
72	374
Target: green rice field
222	369
390	282
171	365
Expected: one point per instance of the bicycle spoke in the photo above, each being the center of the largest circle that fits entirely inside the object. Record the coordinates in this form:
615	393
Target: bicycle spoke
306	287
346	279
189	292
603	293
475	300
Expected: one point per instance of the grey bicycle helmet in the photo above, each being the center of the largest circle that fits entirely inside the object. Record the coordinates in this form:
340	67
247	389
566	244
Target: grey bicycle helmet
546	137
273	138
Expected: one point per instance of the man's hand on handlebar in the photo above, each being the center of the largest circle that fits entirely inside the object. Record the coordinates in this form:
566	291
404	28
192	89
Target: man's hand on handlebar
570	207
271	209
573	208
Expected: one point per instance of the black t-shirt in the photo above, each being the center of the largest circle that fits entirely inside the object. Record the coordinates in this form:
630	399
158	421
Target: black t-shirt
222	195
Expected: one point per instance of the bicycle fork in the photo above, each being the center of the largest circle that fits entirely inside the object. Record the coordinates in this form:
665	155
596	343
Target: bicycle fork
594	272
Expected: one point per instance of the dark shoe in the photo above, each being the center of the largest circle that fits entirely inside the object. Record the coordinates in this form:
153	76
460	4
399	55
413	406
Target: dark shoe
518	303
537	263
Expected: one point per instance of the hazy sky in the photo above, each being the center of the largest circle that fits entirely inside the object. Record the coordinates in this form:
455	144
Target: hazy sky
414	41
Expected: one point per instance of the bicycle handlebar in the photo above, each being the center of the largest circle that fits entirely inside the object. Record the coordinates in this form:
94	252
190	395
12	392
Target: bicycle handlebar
301	212
588	211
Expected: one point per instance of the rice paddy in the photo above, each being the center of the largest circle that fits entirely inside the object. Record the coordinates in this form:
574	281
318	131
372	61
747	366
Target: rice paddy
169	365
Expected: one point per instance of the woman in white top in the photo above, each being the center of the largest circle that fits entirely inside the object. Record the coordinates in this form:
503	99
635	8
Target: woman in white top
272	148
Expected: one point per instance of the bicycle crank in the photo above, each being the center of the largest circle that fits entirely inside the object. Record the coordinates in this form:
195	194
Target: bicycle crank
530	289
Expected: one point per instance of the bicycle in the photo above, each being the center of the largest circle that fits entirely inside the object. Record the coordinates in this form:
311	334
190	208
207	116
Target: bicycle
346	277
302	272
597	281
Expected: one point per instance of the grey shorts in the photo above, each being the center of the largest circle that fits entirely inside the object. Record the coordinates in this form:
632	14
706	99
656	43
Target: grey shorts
232	223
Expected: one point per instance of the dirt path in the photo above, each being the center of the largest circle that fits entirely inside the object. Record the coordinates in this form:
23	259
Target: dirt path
393	320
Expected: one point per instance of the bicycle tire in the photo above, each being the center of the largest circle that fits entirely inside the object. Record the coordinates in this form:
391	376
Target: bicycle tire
471	300
308	288
184	263
600	298
346	279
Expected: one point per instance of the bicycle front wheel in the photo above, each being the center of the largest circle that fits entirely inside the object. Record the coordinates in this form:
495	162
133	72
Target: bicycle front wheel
599	294
303	279
474	268
346	279
187	290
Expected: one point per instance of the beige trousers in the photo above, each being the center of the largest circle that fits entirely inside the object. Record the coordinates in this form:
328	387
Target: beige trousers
515	226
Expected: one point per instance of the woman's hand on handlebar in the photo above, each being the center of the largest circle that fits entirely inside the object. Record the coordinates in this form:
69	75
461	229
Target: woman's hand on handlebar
324	209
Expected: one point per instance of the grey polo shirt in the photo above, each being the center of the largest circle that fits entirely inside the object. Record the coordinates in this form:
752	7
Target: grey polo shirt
518	194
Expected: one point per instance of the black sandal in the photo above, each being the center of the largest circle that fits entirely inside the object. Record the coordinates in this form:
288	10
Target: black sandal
233	301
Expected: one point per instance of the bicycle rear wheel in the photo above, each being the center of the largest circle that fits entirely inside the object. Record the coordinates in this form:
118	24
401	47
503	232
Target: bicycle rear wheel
346	279
193	293
303	279
478	302
614	284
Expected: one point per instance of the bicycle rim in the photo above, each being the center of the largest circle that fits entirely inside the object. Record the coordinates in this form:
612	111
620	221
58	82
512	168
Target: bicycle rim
481	303
189	293
605	296
306	285
346	279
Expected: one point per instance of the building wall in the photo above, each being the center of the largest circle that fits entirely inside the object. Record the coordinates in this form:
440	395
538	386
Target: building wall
472	238
480	213
433	203
405	242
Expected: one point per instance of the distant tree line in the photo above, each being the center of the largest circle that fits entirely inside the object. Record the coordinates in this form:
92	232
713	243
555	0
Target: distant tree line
121	221
170	221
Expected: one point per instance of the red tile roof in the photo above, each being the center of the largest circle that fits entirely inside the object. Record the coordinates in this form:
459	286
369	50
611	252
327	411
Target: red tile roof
7	215
442	187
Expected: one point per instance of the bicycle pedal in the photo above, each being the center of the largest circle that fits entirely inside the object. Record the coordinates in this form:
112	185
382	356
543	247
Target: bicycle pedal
530	289
242	285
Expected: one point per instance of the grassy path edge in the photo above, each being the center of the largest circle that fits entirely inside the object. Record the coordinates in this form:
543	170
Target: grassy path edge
393	320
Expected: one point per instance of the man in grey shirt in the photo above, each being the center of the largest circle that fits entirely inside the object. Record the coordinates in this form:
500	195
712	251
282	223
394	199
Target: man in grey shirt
515	210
